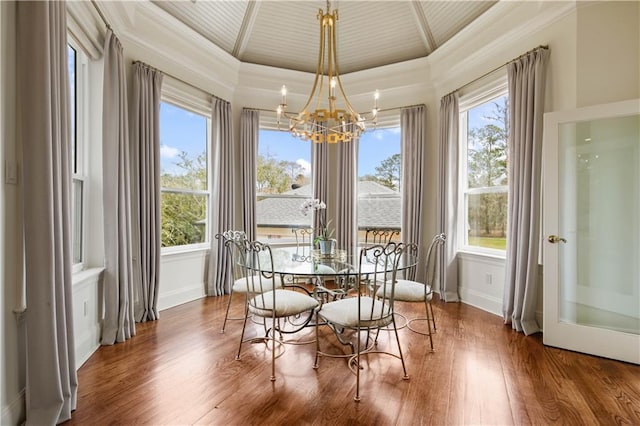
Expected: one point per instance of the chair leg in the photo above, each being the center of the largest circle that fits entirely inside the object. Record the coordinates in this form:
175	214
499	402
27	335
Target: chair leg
404	368
226	314
273	346
244	325
433	317
357	397
426	308
315	364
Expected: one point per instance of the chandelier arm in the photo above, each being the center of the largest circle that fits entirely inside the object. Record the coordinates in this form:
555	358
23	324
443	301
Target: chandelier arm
338	121
319	67
339	81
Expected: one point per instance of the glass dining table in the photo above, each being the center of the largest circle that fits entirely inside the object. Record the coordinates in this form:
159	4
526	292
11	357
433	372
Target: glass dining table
339	269
325	277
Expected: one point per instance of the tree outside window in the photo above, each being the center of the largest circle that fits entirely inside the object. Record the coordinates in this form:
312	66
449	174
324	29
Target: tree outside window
183	176
486	192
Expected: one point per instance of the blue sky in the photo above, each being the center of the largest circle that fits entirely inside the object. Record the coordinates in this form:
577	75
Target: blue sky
180	130
476	115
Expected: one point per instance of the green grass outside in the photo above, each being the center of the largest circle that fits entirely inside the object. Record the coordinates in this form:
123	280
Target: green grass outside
489	242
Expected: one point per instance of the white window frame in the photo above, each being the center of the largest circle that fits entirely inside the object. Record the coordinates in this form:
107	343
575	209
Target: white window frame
176	95
82	136
488	90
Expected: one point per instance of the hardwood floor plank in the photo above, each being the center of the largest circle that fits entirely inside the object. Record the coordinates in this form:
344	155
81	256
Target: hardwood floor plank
182	370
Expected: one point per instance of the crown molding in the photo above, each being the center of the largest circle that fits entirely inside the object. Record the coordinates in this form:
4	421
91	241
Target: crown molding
399	84
181	52
86	27
489	41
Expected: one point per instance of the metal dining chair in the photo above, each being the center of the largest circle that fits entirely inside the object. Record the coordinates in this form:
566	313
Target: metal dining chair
265	300
234	243
421	292
363	314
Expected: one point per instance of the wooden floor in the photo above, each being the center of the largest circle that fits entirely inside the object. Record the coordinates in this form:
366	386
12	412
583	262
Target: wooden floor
182	370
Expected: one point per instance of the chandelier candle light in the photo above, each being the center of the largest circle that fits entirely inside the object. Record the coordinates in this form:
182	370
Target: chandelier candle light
327	122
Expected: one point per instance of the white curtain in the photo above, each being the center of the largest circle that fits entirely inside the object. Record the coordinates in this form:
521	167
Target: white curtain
119	319
413	130
249	130
43	101
221	205
447	200
319	170
526	107
145	159
347	180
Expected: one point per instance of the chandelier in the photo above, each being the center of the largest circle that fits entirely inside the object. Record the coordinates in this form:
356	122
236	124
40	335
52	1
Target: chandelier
333	119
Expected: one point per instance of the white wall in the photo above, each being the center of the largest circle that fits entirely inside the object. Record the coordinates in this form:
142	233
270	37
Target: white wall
182	277
575	78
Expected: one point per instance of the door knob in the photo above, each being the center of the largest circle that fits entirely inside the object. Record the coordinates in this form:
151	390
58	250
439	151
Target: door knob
553	239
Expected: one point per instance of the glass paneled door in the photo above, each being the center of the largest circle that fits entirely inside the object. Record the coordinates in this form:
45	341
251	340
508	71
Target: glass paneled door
591	243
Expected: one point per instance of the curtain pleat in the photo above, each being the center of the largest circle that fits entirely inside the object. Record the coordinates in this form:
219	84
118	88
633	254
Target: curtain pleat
447	201
526	76
319	170
45	124
347	179
413	128
249	130
119	319
145	158
221	205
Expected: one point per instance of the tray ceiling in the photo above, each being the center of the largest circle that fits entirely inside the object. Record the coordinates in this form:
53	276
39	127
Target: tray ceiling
285	34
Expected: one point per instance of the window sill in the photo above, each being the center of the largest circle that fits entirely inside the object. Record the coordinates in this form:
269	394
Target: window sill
177	250
86	275
474	255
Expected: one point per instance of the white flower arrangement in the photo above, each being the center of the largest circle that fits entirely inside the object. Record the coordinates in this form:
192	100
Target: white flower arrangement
314	204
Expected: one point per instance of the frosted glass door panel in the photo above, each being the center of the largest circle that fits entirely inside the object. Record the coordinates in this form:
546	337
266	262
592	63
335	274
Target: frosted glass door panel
599	216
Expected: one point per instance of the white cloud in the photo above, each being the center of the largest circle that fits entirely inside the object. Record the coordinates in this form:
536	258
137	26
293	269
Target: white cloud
167	151
306	166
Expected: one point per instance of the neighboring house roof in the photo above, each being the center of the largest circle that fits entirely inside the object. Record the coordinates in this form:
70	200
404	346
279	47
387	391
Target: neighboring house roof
378	207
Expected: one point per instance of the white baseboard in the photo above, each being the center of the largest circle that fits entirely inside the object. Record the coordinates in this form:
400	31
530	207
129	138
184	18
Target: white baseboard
183	295
489	303
481	300
87	344
15	412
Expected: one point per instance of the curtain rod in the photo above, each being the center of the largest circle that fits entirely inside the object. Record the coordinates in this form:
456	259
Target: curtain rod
180	80
95	5
496	69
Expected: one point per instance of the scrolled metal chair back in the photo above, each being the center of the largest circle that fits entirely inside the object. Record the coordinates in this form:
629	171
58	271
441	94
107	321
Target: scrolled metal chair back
380	235
378	269
257	260
304	238
432	254
232	240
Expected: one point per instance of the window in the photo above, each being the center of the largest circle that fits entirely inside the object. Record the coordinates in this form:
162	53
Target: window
379	172
184	178
484	181
77	63
283	183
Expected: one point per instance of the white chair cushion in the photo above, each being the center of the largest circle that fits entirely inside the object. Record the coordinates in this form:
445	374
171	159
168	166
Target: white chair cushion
407	291
240	285
345	312
324	270
287	303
